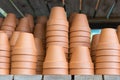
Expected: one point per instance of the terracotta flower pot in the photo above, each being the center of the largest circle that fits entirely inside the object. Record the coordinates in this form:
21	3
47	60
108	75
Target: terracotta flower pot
57	39
4	71
42	19
10	20
1	21
23	65
80	23
72	45
39	46
107	71
4	65
57	33
26	41
4	60
107	53
107	65
23	71
24	58
14	38
107	59
7	28
95	41
55	71
57	16
80	34
64	44
80	39
78	58
81	71
57	28
4	43
31	21
23	25
108	39
4	53
40	31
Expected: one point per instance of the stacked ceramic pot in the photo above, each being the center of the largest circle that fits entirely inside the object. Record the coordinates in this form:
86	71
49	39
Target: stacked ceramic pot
24	56
118	33
80	62
4	54
23	25
107	59
55	61
95	40
57	29
9	24
40	39
1	21
79	31
41	55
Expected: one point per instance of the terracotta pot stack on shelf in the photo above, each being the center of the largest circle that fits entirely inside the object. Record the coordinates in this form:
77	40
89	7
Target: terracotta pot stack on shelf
80	62
4	54
79	32
9	24
23	25
94	43
24	55
107	61
57	29
55	61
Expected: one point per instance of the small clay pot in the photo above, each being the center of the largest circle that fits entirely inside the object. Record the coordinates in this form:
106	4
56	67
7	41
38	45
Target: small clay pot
23	25
107	65
107	53
79	58
80	34
55	71
82	71
95	41
57	16
31	21
10	20
56	33
4	60
24	58
42	19
23	65
64	44
57	39
4	43
4	54
72	45
26	41
4	71
57	28
80	39
23	71
14	38
4	65
107	72
108	59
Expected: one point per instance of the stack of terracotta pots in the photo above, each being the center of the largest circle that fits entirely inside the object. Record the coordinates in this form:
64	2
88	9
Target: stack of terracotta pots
57	29
55	61
4	54
80	62
1	21
24	55
107	59
79	31
41	55
23	25
95	40
9	24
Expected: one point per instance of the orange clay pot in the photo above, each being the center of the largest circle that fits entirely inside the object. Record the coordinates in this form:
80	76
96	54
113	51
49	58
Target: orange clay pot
64	44
4	60
57	33
4	65
80	39
4	54
4	71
